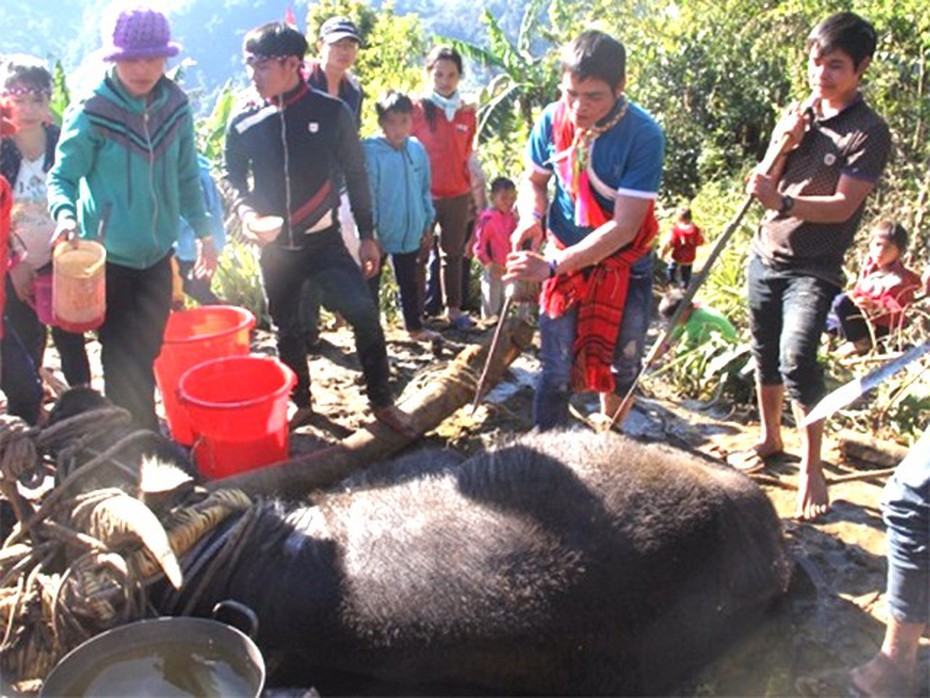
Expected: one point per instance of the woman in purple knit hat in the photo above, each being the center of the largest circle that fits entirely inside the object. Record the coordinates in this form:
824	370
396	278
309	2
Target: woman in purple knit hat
126	157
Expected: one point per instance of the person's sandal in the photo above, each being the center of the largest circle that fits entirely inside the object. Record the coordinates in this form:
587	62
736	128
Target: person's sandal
751	461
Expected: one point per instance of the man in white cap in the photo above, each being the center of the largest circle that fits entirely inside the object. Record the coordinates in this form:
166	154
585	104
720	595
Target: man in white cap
129	149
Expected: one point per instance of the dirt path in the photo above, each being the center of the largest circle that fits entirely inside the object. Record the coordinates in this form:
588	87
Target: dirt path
833	616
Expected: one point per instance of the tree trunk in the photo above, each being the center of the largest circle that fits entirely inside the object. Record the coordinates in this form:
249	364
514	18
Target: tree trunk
428	406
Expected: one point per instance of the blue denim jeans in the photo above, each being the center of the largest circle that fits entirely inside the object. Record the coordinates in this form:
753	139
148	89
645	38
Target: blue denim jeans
787	314
557	336
906	511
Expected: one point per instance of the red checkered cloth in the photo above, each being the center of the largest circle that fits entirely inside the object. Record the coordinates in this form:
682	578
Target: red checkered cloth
599	291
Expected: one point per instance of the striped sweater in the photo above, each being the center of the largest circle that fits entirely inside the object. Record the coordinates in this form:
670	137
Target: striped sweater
136	157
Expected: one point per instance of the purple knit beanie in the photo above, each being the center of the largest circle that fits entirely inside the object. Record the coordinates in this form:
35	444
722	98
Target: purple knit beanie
139	32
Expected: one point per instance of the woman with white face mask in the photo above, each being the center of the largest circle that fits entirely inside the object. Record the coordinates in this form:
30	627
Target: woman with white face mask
446	127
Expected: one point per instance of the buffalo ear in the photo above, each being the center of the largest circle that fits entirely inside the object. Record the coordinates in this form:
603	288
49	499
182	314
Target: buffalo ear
163	485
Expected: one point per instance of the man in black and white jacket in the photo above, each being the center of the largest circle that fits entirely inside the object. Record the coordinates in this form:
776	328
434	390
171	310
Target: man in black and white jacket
286	152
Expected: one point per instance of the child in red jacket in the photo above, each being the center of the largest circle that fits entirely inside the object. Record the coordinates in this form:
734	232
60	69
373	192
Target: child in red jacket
885	287
683	243
492	243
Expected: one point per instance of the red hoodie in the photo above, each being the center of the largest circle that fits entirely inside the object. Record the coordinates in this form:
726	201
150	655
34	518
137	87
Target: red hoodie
449	144
684	241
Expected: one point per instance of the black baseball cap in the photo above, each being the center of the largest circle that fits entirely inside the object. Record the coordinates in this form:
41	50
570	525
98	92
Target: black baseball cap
337	28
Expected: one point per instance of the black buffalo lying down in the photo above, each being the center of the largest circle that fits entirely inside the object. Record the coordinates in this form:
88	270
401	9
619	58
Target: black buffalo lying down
563	563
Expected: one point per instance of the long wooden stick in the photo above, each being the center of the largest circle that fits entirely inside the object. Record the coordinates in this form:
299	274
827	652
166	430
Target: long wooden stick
666	338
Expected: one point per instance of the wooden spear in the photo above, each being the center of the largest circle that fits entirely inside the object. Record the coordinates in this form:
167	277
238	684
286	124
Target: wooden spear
666	339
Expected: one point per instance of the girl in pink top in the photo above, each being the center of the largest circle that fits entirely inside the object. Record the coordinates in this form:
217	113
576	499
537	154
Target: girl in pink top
492	243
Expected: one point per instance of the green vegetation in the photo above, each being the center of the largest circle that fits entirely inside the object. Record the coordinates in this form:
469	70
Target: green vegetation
715	73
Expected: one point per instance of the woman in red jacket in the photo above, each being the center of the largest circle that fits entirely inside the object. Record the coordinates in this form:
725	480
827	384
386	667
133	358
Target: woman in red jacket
446	127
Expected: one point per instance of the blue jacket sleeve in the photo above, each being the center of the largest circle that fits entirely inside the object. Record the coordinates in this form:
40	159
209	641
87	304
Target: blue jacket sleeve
425	187
191	199
214	204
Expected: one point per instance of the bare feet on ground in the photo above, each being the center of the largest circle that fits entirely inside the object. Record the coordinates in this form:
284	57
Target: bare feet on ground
880	676
813	497
398	420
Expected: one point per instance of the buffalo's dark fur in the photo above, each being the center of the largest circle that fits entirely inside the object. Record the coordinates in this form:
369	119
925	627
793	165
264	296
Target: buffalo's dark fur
563	563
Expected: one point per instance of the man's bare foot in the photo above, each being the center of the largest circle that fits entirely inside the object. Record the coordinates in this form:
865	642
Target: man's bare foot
880	676
754	458
398	420
813	497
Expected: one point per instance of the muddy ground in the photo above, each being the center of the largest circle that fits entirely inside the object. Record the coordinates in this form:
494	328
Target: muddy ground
833	616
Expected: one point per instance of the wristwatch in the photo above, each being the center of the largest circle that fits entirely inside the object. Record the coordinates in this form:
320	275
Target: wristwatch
787	203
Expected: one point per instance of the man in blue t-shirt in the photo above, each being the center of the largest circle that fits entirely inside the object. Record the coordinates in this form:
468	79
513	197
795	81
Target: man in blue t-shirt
606	155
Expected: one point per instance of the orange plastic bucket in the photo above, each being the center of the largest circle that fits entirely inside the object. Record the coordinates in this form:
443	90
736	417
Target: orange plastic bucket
79	285
238	409
192	337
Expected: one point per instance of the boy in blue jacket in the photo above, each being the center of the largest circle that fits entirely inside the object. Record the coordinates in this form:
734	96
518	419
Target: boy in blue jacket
398	170
129	149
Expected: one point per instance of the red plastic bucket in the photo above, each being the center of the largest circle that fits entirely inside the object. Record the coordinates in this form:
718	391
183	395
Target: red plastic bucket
192	337
238	409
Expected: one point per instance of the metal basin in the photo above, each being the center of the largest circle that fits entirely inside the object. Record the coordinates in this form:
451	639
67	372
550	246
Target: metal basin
162	657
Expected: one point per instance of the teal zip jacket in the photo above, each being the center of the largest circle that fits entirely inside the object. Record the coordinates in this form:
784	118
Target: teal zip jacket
139	159
400	188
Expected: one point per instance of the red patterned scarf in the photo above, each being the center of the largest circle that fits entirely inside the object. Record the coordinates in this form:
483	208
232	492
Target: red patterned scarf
600	291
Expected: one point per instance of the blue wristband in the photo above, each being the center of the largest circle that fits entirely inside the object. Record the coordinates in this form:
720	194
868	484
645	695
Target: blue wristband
553	266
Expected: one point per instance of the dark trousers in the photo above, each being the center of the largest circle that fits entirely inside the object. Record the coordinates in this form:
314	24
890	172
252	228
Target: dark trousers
787	313
138	303
847	320
676	270
405	273
19	378
33	334
452	219
327	265
198	289
432	296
